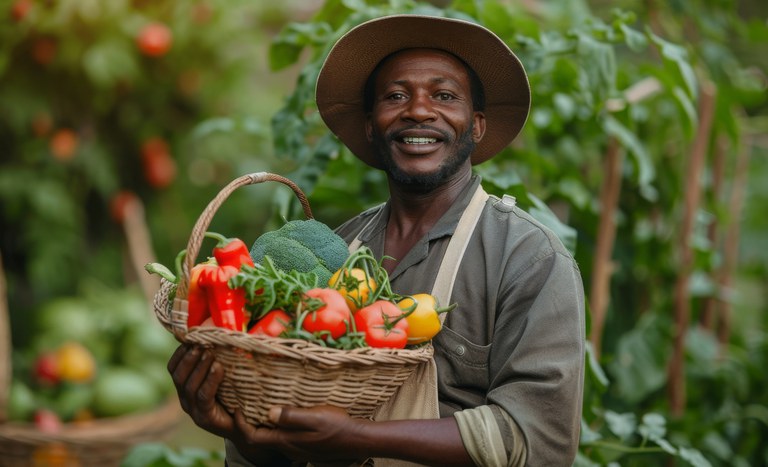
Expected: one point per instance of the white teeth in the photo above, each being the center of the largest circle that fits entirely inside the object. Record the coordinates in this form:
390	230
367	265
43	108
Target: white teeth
418	140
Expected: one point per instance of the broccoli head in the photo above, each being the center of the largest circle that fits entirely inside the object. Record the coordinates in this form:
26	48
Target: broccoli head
304	246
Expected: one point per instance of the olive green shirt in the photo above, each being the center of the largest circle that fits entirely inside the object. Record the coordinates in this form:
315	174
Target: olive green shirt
515	343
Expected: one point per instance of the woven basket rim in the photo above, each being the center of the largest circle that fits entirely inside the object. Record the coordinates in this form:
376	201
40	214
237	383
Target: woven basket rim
122	429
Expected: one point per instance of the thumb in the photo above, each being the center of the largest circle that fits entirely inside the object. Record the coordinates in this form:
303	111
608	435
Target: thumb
288	417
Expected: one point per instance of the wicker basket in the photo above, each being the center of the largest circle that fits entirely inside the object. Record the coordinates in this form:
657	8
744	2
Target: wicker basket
262	371
100	442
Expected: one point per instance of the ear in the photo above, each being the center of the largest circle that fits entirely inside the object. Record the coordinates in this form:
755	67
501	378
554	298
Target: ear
369	127
478	130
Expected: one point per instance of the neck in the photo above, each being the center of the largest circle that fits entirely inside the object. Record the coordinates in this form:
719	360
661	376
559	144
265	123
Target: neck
413	213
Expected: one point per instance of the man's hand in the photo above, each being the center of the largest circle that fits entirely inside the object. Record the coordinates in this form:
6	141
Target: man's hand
197	377
316	434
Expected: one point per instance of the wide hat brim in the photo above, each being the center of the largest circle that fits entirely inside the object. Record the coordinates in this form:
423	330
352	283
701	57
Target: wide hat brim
341	82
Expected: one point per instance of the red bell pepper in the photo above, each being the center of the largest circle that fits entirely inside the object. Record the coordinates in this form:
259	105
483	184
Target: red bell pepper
230	251
226	305
197	302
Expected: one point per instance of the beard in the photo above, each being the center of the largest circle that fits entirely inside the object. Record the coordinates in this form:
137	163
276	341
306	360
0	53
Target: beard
424	182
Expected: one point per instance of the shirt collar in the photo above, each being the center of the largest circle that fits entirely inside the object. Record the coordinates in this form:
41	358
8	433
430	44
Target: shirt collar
446	225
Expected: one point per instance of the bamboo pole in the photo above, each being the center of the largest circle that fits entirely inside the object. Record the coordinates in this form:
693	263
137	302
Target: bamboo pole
602	268
731	245
710	304
682	305
140	251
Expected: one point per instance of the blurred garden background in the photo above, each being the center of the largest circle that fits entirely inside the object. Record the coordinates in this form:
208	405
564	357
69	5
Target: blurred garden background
646	150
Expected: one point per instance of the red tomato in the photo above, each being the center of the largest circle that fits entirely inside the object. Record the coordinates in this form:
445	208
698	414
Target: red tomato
63	144
154	39
333	318
383	324
47	421
159	169
44	50
20	9
47	369
272	324
121	204
154	146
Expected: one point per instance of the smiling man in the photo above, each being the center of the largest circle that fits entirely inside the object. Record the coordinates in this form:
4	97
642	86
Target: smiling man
424	99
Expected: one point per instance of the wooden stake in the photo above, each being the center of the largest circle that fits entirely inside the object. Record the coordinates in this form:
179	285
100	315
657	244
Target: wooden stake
602	268
731	246
709	306
682	305
600	289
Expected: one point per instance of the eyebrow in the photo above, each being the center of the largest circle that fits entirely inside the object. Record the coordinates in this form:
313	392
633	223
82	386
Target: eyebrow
403	82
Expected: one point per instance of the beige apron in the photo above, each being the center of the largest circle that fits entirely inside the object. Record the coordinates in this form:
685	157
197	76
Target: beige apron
417	397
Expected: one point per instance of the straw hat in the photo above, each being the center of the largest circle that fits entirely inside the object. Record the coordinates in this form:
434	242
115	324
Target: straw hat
340	85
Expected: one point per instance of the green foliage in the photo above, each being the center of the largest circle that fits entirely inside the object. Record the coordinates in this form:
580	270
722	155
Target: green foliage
81	105
597	77
159	455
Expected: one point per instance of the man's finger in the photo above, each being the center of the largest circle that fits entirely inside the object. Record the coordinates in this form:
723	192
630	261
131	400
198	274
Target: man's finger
178	354
213	376
252	434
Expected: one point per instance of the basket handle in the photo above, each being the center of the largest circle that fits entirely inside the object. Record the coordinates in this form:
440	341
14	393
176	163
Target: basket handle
204	221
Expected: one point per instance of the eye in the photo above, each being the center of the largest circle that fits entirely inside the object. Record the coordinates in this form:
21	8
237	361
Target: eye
395	96
444	96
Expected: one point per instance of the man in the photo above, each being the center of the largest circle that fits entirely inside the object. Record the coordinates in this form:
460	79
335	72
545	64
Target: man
424	99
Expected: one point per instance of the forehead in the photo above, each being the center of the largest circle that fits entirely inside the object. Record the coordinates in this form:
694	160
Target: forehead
425	63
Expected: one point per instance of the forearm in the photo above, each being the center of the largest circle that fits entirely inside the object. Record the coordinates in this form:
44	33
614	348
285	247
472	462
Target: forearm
428	442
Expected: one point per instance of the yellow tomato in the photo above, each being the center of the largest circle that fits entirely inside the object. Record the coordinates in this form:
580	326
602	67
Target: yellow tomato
353	286
75	362
424	317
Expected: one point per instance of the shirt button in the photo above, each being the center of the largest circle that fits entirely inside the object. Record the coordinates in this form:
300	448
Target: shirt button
460	350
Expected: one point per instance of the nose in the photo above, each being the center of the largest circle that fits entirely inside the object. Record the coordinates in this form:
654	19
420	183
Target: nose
420	108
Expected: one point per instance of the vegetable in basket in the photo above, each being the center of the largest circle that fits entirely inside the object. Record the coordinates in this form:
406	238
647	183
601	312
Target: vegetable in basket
384	325
423	316
332	318
303	246
197	301
210	293
273	324
225	303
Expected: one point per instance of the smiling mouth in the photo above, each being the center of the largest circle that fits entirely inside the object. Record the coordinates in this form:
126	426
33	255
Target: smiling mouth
418	140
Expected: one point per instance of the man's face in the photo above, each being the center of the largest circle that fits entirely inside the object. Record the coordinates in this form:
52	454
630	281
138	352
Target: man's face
422	123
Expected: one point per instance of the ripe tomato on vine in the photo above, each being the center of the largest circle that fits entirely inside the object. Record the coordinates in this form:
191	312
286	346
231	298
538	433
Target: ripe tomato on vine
154	39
